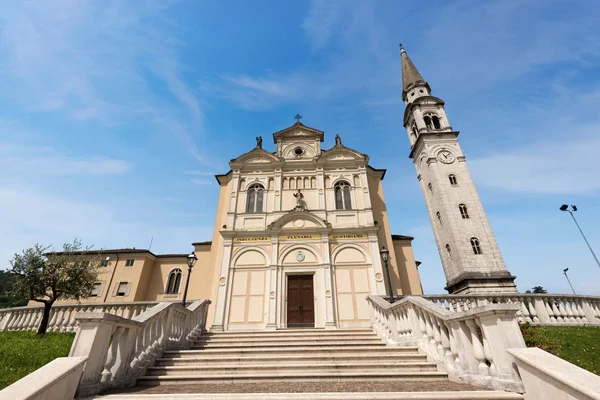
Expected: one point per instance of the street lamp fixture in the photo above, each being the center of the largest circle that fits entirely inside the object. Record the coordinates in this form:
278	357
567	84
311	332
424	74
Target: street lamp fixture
568	280
573	208
385	256
191	260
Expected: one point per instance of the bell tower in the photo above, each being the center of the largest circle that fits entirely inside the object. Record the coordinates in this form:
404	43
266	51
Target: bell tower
468	250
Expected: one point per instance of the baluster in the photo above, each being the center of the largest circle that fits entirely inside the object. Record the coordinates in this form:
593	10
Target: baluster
454	344
562	310
27	320
581	311
111	357
72	323
531	307
557	317
478	352
487	351
437	337
567	306
19	320
66	318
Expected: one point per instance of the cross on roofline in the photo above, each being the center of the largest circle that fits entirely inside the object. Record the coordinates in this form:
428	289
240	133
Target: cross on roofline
298	117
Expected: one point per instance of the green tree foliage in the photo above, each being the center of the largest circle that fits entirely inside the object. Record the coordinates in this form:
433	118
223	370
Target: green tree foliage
46	276
537	290
7	297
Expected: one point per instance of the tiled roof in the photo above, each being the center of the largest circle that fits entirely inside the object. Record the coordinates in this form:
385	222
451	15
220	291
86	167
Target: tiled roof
209	242
402	237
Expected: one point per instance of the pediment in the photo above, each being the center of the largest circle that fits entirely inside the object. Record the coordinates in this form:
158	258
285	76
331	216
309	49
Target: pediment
298	131
256	156
342	153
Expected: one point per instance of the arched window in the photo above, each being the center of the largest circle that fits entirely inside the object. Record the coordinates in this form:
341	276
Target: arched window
439	217
174	281
432	121
430	187
342	196
255	199
463	211
448	250
475	245
453	180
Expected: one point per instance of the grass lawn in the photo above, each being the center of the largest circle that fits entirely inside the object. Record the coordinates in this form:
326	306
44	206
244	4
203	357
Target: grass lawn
579	345
23	352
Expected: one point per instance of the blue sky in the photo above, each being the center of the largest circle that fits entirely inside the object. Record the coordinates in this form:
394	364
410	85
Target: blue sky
114	115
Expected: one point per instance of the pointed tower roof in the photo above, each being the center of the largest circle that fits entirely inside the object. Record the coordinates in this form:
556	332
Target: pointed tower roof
410	75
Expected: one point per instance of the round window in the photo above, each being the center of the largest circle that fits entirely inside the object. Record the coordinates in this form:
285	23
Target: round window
298	151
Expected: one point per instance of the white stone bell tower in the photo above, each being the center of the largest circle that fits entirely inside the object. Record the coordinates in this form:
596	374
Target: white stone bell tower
470	256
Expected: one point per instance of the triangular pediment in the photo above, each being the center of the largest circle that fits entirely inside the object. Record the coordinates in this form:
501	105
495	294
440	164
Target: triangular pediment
298	131
255	156
342	153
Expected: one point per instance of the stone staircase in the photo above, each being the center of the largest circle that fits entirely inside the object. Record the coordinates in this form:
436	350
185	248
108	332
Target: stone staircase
316	362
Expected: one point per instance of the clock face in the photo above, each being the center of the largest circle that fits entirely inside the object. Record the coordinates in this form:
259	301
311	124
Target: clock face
446	157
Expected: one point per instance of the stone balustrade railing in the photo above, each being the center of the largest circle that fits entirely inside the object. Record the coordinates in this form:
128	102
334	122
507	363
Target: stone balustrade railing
119	350
471	345
537	309
62	317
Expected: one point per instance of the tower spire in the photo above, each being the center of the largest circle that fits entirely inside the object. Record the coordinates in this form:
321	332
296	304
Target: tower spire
411	77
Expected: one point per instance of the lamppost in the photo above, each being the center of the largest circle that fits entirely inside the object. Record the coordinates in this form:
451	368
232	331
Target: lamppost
565	207
568	280
385	256
191	260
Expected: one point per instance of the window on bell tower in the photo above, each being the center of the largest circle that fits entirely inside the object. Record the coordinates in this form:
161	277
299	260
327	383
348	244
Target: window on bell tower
453	180
476	246
255	199
449	251
342	196
432	121
463	211
439	217
430	187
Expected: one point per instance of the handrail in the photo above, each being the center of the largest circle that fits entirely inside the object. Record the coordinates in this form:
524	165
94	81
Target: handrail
471	345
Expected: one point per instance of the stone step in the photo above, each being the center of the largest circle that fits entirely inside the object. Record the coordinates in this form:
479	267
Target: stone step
442	395
286	338
283	332
291	376
327	350
298	359
295	343
289	334
281	369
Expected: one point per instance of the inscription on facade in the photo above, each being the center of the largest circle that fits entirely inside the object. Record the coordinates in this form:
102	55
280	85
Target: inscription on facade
252	239
350	236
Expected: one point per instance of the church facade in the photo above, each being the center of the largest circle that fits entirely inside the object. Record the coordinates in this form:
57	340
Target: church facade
298	231
297	241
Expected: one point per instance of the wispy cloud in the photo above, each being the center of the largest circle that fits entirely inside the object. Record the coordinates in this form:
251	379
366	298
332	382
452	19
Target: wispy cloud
23	160
201	182
96	62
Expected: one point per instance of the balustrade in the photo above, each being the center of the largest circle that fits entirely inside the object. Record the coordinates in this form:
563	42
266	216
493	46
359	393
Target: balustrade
62	317
119	350
536	309
468	338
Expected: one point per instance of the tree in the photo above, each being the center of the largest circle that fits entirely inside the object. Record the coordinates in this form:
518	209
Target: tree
46	276
537	290
7	298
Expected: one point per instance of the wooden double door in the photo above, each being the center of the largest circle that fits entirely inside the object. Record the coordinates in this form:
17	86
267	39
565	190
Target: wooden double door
300	301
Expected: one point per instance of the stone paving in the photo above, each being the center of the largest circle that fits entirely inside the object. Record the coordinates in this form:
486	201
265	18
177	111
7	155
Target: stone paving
303	387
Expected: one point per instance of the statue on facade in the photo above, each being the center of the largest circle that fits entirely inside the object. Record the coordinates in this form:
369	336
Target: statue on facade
338	140
259	142
299	200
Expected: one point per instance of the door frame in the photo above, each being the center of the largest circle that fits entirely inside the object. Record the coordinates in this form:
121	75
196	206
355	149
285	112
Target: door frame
284	294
